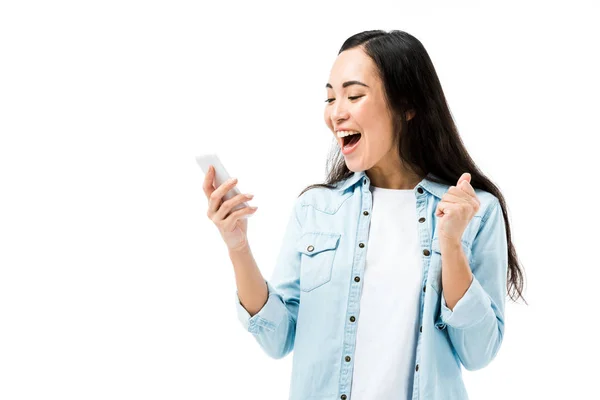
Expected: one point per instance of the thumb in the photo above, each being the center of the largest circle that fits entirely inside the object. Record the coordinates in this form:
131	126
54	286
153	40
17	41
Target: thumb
464	177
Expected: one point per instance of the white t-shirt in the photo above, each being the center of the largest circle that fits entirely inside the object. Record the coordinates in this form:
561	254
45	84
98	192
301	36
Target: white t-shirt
388	320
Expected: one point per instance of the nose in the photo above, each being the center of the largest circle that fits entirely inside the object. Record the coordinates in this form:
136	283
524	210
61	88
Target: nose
339	112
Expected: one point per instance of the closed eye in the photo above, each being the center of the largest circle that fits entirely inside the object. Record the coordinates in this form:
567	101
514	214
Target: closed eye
350	97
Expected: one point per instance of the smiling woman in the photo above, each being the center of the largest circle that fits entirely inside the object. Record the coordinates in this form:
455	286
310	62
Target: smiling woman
357	101
394	272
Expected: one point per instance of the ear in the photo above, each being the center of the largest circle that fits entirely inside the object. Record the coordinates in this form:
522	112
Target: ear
410	114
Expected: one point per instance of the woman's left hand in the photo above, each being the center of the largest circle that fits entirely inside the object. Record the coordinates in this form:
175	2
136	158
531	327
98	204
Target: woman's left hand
456	209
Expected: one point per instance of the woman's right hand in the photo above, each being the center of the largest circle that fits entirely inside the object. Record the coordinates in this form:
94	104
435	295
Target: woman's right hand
232	226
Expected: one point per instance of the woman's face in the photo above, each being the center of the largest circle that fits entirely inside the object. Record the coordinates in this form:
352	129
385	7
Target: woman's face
360	107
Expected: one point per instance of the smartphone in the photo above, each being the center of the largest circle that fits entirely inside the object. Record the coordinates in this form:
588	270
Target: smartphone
221	176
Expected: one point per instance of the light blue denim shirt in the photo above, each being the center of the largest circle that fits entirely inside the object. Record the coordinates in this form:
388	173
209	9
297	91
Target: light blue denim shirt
313	305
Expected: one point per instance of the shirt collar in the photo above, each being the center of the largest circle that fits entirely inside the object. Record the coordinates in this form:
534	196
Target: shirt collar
435	188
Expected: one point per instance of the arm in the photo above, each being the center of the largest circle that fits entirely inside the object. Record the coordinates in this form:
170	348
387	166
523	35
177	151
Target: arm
252	289
475	323
272	305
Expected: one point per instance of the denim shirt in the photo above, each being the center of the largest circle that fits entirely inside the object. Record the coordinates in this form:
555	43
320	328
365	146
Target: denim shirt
313	305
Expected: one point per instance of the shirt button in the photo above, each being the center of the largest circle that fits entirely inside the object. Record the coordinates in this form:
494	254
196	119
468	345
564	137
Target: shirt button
420	190
426	252
361	245
343	397
421	219
356	279
348	359
310	248
365	213
417	368
352	319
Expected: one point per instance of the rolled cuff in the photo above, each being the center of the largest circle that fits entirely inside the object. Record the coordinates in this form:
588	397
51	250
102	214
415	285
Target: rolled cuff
269	317
471	309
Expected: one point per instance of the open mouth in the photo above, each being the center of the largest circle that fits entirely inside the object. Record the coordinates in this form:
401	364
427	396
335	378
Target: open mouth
351	140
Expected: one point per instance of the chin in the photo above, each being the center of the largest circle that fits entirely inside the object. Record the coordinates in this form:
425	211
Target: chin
354	165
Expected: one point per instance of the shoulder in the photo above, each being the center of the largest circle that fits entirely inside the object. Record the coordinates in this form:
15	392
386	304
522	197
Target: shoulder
487	203
324	199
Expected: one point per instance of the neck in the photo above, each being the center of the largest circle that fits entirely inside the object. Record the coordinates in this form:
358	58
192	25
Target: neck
400	180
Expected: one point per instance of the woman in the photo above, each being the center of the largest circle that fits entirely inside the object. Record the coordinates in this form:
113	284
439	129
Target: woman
394	272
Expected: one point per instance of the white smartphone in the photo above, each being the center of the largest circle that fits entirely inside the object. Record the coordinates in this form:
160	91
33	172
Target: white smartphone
221	176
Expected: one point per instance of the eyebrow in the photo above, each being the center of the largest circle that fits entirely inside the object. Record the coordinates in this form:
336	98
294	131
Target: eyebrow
346	84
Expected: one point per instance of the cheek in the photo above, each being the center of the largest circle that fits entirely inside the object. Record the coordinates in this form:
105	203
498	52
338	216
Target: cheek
378	123
373	112
367	116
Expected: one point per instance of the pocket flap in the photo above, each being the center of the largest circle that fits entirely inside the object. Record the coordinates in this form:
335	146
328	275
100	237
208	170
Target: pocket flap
312	243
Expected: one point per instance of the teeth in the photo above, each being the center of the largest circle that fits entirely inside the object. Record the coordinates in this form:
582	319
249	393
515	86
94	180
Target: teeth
346	133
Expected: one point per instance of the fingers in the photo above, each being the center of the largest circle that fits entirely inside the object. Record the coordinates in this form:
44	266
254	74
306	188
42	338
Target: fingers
452	198
444	206
228	205
217	194
229	222
465	191
466	187
462	200
208	186
220	212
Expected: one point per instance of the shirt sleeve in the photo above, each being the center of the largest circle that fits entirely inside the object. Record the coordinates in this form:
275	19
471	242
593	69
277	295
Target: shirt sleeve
269	317
476	324
274	326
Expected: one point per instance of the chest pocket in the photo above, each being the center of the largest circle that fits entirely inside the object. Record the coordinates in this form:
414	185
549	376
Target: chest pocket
435	264
318	254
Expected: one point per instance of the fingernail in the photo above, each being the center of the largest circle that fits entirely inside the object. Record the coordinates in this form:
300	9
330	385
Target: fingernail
249	196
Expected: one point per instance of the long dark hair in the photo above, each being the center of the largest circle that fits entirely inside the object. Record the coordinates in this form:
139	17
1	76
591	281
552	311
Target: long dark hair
429	143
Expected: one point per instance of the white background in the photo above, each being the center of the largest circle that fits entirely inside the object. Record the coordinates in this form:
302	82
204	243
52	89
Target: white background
114	284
